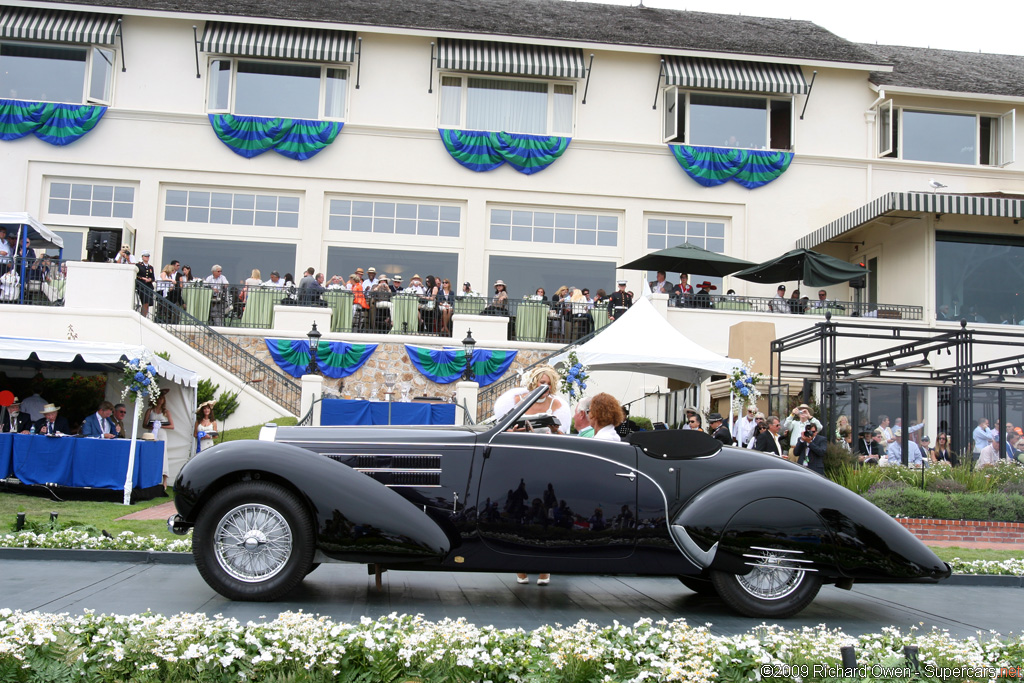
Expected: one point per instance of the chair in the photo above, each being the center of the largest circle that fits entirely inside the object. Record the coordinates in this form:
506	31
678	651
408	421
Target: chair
259	307
405	314
340	303
531	321
469	305
729	305
197	301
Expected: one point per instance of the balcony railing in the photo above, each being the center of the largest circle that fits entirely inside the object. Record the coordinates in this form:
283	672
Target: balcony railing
36	281
809	308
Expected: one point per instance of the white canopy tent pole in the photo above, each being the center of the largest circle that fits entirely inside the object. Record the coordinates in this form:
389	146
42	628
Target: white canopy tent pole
136	409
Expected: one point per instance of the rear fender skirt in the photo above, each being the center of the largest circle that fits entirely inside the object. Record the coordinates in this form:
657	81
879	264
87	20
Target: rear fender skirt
354	514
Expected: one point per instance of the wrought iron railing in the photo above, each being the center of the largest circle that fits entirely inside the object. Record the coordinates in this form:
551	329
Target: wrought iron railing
756	304
36	281
250	370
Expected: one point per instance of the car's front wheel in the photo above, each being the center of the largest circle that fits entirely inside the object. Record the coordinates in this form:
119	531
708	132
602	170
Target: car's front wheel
774	587
253	541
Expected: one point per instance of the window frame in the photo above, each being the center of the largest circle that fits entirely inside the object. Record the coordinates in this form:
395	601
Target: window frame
336	234
90	50
1003	126
671	93
551	83
233	83
231	230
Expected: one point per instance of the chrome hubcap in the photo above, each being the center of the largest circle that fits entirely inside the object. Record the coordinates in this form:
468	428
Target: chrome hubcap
252	543
772	577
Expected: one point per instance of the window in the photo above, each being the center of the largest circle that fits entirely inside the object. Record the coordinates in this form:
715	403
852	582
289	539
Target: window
716	120
227	208
945	137
554	227
978	277
533	107
86	199
300	91
394	217
74	240
523	275
663	233
343	261
238	258
56	73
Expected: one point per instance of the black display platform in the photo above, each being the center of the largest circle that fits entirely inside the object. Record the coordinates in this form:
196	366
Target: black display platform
87	493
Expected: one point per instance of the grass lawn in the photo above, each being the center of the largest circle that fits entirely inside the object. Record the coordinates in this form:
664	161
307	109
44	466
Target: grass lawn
102	515
947	554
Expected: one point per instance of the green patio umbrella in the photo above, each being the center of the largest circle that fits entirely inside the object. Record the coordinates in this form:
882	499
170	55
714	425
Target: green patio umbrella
687	258
810	267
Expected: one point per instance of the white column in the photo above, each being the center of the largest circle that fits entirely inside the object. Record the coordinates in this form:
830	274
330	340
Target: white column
466	394
100	286
660	303
312	389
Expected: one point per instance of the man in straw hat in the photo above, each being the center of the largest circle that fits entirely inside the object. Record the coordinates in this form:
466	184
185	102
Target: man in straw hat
52	423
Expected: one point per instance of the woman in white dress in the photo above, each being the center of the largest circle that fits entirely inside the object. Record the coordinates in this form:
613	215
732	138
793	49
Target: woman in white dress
206	426
158	414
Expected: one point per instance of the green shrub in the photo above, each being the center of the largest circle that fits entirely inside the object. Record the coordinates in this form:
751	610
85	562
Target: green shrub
206	391
1015	487
643	423
837	459
946	486
906	501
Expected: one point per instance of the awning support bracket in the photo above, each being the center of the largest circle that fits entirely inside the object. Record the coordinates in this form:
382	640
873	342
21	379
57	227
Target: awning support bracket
120	35
195	35
586	88
657	88
809	89
430	81
359	59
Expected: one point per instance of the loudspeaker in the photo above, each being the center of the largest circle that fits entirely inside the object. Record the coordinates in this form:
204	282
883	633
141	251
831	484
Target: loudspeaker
101	245
859	282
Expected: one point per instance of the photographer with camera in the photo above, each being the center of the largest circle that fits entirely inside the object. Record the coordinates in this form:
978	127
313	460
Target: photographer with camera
810	450
796	423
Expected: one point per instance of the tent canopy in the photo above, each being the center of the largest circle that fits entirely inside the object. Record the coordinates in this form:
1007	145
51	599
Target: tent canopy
662	350
811	267
99	356
38	234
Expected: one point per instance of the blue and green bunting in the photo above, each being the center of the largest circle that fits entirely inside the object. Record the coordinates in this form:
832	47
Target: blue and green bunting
445	366
57	124
297	139
335	359
484	151
711	166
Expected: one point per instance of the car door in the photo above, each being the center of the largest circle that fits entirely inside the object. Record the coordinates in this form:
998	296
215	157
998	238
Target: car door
558	496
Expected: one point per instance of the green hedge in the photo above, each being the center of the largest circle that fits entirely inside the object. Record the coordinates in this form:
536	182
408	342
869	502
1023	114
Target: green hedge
913	502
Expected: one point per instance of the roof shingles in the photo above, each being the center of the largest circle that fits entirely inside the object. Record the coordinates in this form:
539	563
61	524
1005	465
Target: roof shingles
948	70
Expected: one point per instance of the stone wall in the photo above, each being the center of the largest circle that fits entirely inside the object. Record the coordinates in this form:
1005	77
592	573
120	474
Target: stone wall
389	357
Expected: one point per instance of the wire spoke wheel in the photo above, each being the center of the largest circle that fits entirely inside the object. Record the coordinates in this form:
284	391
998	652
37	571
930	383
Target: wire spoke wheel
779	584
252	542
771	579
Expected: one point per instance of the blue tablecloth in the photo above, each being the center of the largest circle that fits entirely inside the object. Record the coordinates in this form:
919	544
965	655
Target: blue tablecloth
337	411
96	463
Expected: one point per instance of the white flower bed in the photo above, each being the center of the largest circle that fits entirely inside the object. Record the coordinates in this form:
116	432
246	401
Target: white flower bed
127	540
302	648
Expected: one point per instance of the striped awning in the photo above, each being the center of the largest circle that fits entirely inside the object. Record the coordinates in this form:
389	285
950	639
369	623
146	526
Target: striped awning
916	202
282	42
724	74
55	26
508	58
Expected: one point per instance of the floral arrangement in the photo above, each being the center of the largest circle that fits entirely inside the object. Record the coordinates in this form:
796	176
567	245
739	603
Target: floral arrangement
139	379
305	648
574	377
743	387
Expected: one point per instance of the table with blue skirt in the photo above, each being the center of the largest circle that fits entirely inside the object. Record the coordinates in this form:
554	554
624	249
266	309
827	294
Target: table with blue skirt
339	411
80	462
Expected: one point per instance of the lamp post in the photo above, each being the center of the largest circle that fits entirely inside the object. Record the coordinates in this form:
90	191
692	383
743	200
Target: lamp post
468	343
314	341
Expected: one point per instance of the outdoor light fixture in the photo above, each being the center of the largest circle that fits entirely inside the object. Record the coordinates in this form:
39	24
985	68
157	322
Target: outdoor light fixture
468	343
314	342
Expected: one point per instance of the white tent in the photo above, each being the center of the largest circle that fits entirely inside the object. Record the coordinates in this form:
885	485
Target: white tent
641	340
60	358
38	234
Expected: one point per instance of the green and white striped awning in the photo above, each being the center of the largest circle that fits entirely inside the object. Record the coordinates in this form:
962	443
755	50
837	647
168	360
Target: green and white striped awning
916	202
22	23
281	42
724	74
509	58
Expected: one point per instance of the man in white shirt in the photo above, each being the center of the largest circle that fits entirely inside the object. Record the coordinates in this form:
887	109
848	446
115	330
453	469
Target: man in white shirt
778	304
33	406
371	278
467	290
743	428
219	303
689	412
796	423
660	284
416	286
275	280
982	435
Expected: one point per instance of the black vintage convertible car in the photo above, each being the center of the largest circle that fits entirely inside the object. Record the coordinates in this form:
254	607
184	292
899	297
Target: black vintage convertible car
760	532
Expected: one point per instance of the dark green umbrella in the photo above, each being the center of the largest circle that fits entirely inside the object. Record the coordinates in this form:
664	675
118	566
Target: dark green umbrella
687	258
811	267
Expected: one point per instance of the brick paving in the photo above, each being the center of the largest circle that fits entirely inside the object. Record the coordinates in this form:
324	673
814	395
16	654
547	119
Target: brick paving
162	511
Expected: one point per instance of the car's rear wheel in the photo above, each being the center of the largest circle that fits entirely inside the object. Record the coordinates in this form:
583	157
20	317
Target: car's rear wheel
699	586
775	586
253	541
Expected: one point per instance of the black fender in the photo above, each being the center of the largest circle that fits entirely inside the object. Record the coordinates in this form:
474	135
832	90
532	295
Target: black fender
844	534
357	518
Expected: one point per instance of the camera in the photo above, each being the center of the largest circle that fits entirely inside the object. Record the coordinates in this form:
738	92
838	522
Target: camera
809	431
